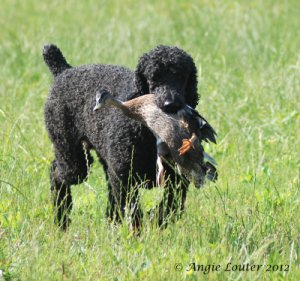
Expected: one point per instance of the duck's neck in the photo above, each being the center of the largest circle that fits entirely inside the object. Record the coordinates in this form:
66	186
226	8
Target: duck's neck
115	103
119	104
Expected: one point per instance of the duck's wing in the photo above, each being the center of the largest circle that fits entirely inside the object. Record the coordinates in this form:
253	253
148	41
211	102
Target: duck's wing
207	131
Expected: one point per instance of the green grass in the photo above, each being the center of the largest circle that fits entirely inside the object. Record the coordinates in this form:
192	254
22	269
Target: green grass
248	59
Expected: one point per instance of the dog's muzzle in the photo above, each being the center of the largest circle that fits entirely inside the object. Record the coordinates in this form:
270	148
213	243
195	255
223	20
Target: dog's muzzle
171	106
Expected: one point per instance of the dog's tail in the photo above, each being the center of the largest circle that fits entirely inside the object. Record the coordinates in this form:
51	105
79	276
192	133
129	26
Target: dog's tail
55	60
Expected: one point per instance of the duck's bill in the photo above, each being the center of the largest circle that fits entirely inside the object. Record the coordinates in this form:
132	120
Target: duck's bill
98	106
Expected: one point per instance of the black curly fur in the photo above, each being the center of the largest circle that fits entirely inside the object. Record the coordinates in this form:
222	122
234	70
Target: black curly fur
126	149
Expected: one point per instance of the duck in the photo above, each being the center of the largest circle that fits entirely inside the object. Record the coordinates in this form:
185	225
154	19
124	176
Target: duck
179	135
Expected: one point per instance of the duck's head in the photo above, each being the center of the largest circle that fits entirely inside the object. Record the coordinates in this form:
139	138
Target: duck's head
102	97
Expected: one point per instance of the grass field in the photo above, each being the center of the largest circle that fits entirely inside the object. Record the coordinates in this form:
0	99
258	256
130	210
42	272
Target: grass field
248	59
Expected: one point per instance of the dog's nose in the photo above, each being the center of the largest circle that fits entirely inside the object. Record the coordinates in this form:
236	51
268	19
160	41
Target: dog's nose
172	106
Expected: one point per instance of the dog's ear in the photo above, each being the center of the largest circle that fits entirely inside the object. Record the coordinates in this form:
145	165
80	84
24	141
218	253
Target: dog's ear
141	83
192	96
140	77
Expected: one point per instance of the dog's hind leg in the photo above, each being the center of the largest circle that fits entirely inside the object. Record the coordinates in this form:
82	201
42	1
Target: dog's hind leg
72	157
68	169
61	196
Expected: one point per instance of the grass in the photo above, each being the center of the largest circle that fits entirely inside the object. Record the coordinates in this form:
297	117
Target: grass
248	60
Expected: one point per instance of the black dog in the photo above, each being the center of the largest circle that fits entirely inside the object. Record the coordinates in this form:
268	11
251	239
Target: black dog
126	149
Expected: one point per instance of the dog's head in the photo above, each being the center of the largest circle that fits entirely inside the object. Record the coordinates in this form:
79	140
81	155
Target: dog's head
170	74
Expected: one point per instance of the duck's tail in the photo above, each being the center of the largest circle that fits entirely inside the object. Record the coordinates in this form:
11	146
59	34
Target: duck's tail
54	59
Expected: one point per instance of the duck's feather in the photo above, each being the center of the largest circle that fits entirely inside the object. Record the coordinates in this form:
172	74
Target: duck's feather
209	159
207	131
